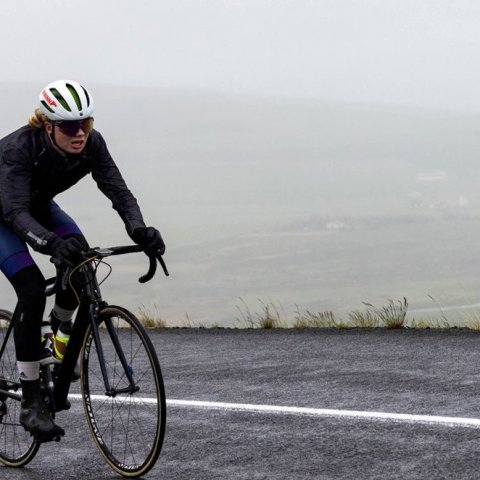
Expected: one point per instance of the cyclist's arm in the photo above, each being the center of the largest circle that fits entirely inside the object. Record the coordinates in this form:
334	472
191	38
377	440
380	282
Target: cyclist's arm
15	179
111	183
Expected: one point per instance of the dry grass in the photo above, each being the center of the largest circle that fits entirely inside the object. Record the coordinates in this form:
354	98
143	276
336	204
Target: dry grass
310	319
392	315
367	319
268	317
150	319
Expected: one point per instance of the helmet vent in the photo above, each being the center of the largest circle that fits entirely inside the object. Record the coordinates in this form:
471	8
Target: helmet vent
46	105
60	98
75	96
87	95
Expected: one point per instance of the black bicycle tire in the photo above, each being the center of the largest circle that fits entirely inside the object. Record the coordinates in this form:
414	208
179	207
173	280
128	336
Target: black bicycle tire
119	465
26	456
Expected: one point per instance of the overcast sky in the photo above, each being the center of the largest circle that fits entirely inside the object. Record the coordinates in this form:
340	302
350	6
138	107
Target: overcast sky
416	52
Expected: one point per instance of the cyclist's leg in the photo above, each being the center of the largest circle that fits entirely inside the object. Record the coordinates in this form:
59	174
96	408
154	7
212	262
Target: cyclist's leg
66	302
20	269
18	266
60	223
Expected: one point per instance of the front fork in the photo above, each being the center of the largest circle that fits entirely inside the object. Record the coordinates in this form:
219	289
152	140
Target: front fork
89	314
110	391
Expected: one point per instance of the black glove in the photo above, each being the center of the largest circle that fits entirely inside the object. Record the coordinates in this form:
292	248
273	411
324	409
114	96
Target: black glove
149	239
66	251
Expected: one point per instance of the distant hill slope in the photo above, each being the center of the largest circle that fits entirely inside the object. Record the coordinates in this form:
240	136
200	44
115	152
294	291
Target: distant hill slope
292	200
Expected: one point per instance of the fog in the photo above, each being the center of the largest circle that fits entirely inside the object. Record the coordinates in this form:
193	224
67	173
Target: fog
396	51
315	155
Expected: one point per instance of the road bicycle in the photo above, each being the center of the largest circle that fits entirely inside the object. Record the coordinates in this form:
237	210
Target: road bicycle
121	382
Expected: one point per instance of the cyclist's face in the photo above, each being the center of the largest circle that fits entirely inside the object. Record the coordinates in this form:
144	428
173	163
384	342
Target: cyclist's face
68	143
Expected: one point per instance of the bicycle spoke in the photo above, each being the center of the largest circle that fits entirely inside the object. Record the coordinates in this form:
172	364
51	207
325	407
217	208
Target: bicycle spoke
17	447
122	425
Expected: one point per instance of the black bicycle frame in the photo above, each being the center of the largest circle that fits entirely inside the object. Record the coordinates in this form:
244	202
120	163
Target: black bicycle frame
88	314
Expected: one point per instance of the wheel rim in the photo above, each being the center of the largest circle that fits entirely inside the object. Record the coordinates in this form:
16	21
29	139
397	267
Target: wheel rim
17	446
128	428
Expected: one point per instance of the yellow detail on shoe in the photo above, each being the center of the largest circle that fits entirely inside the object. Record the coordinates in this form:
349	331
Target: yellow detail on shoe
60	344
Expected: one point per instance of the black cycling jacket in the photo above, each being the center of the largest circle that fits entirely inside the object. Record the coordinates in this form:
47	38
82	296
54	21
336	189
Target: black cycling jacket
32	173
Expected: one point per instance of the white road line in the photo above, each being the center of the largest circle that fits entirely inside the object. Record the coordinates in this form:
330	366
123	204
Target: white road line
313	412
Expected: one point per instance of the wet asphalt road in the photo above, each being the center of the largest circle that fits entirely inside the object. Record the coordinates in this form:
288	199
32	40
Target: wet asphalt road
415	372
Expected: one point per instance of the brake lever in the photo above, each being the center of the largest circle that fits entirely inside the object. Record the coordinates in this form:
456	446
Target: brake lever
60	281
64	278
162	263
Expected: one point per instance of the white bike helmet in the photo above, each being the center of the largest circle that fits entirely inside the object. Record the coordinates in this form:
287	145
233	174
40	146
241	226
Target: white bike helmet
66	100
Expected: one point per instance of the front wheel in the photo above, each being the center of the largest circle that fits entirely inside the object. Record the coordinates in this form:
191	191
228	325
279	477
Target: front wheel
17	447
127	422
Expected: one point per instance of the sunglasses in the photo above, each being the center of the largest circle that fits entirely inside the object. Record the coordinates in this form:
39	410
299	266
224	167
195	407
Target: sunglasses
71	127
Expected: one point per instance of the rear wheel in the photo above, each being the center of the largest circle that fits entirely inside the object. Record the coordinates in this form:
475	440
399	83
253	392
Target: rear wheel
17	447
128	422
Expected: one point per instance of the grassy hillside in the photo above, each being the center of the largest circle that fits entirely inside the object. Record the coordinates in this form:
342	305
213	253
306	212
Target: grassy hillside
319	204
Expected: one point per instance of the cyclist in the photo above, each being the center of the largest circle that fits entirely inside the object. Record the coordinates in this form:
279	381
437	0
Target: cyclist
53	152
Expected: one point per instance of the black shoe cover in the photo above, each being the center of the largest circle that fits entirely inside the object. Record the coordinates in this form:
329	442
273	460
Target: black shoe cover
36	419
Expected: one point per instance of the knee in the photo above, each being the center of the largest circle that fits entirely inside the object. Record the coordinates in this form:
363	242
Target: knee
29	285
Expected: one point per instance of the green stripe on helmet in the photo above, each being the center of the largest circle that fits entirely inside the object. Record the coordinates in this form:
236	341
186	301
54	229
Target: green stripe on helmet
60	98
75	96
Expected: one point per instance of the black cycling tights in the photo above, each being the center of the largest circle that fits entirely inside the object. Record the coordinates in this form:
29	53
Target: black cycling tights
29	285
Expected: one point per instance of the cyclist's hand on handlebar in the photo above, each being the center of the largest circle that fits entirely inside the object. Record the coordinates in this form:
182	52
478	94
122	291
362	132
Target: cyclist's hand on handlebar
149	239
68	251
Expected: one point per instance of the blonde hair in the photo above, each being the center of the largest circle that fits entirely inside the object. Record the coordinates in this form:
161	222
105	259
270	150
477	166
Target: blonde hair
37	120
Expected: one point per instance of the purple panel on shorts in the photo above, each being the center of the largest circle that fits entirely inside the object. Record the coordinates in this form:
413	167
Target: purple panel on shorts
66	229
16	262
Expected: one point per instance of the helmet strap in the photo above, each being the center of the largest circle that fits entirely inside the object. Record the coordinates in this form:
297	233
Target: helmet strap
54	143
